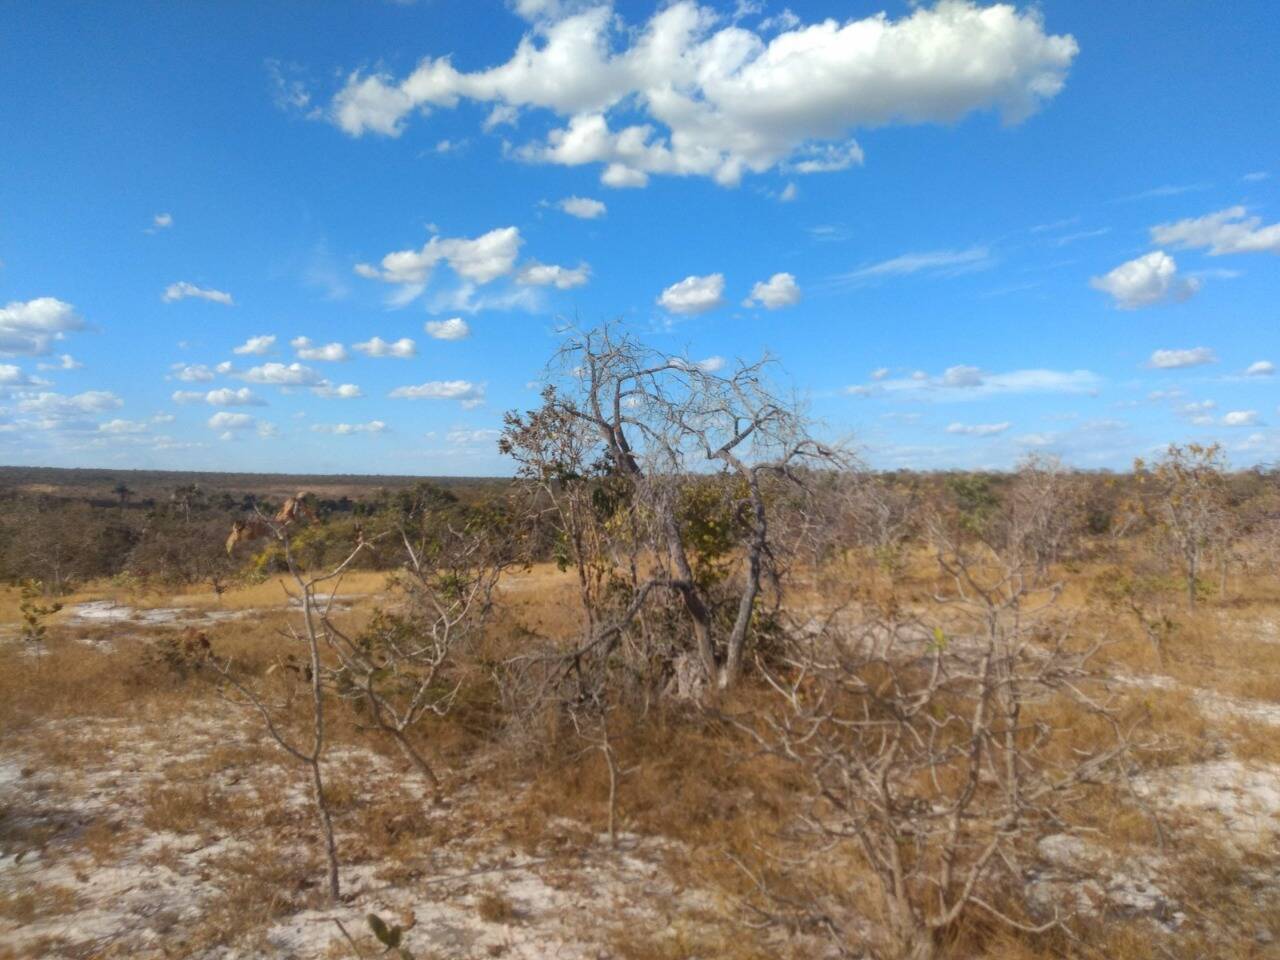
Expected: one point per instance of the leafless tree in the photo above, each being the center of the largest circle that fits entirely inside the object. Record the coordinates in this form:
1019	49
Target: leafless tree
933	748
401	667
650	421
314	594
1185	495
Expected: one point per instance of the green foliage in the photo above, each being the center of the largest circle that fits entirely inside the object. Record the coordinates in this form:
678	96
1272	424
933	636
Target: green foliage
34	610
975	499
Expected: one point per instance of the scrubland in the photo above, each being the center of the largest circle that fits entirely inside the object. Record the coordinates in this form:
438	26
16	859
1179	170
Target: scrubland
782	708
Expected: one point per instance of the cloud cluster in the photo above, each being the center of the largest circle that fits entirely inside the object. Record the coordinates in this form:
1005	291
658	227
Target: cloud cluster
780	290
348	429
1146	281
404	348
455	328
1179	359
307	350
464	391
1227	231
962	382
718	99
182	290
29	328
694	295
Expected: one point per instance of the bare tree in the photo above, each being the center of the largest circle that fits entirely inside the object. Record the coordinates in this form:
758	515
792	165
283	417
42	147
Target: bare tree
930	746
314	594
1185	489
651	421
401	667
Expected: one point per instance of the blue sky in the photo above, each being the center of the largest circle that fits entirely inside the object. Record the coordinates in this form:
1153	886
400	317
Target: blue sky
968	231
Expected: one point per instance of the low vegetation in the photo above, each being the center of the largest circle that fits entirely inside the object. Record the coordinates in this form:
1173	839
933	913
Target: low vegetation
693	684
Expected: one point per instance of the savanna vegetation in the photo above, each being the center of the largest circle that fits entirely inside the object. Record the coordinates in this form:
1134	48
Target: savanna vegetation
694	683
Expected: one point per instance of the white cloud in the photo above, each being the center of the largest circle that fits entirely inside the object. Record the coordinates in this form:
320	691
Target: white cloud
710	364
228	397
943	262
1256	177
880	373
343	391
187	396
480	260
1262	368
583	208
59	406
1227	231
346	429
1145	281
780	290
468	299
230	421
961	376
1178	359
960	383
29	328
191	373
455	328
306	350
462	438
65	362
122	427
1240	418
377	347
255	346
224	367
280	374
467	393
718	99
14	376
789	192
183	290
694	294
545	275
979	429
161	221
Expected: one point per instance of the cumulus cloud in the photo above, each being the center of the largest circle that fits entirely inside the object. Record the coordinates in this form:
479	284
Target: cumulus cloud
546	275
65	362
230	421
183	290
711	364
57	406
121	427
28	328
584	208
464	391
455	328
191	372
228	397
1178	359
15	376
306	350
780	290
281	374
979	429
1228	231
1261	368
694	294
343	391
480	260
1146	281
1240	418
377	347
717	99
255	346
347	429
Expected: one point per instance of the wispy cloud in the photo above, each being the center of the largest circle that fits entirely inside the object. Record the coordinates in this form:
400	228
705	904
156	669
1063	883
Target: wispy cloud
945	263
